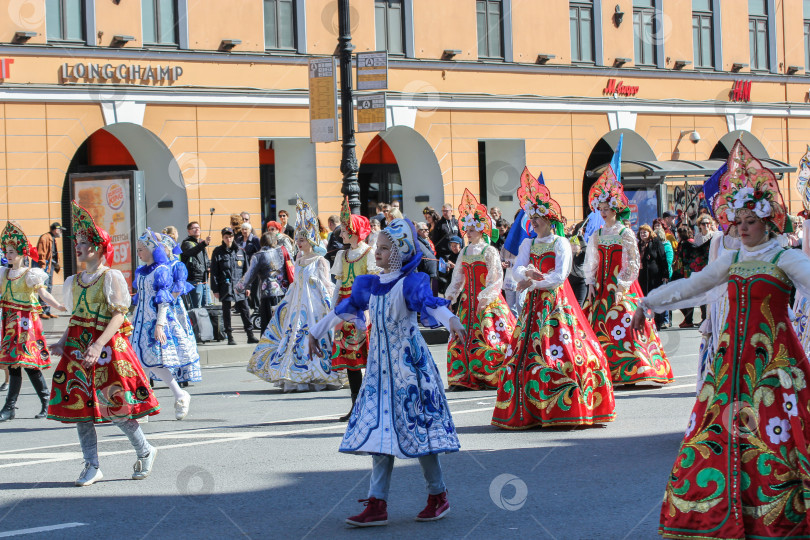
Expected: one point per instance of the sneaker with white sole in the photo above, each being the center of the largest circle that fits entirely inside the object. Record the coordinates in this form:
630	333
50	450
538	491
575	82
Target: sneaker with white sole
90	475
181	406
143	467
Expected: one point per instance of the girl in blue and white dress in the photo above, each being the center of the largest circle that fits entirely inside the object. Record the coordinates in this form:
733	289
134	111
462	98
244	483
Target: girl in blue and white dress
159	341
189	372
401	410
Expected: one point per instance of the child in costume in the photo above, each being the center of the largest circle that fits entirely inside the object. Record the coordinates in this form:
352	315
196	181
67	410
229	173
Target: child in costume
350	346
611	268
23	345
99	378
280	356
160	341
476	283
744	464
556	372
190	371
401	410
801	307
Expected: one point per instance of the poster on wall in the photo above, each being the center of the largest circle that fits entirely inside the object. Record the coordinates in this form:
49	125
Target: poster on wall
110	199
643	206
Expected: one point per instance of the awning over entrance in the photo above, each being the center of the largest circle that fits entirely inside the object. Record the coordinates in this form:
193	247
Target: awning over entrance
658	171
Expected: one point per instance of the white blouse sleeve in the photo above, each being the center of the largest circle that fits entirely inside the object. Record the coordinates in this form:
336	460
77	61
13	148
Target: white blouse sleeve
116	291
325	279
67	293
631	261
797	267
591	265
337	266
522	259
457	281
562	266
692	291
36	278
494	282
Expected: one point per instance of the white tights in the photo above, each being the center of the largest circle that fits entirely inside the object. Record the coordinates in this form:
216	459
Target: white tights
166	376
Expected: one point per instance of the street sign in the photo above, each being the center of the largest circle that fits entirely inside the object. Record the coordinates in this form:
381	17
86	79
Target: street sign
372	70
322	100
371	112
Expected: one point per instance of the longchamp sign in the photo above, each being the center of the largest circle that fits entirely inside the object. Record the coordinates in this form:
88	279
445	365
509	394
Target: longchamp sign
122	73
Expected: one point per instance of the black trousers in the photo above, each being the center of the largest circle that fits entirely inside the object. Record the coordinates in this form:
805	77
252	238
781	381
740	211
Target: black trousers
580	288
266	309
241	307
15	384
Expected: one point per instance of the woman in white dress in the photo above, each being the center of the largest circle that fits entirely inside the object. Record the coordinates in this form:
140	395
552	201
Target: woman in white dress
280	357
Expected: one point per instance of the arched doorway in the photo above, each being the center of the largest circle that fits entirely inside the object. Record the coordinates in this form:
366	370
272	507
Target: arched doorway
123	147
379	177
420	181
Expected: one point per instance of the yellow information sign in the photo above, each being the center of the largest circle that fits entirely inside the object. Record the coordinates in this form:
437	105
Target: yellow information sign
322	100
371	112
372	70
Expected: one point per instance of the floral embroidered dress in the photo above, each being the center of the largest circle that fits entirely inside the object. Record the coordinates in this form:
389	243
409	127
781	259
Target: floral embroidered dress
280	356
153	304
116	386
401	409
743	469
350	346
611	266
555	372
22	344
477	281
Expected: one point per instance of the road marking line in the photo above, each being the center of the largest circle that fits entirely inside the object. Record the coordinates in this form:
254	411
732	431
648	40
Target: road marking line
219	438
34	530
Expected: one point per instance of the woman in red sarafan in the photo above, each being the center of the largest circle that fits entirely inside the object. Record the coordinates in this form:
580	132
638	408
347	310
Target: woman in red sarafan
743	468
477	281
611	271
23	344
555	372
99	379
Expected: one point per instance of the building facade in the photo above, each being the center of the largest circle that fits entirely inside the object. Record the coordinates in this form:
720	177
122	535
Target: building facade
209	101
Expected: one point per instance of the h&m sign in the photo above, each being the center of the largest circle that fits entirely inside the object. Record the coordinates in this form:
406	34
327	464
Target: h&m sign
741	91
124	73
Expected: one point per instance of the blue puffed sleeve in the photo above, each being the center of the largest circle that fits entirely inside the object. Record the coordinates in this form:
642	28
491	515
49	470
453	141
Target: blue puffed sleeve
162	285
419	297
180	277
354	307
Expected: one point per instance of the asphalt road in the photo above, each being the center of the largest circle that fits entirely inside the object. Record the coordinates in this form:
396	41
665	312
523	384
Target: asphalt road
249	461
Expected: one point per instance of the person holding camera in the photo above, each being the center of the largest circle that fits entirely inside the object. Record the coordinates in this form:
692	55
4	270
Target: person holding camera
228	265
195	256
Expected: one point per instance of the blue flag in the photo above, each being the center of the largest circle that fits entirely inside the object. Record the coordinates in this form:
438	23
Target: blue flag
542	182
594	221
520	230
711	187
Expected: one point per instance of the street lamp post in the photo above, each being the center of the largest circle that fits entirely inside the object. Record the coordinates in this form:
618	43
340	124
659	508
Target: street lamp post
348	162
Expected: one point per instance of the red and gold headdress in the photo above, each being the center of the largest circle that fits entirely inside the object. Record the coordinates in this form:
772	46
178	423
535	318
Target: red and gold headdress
609	189
535	199
84	226
14	237
473	215
352	223
749	185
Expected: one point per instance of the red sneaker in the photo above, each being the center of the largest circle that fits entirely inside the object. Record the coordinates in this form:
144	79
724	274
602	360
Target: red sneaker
374	515
437	507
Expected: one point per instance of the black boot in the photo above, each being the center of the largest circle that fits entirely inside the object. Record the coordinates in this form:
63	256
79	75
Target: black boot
41	387
231	341
250	336
15	383
345	417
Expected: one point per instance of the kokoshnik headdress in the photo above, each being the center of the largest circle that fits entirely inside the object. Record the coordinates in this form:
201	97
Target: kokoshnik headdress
609	189
473	215
153	241
173	250
14	237
84	227
802	182
750	186
535	199
405	256
352	223
306	223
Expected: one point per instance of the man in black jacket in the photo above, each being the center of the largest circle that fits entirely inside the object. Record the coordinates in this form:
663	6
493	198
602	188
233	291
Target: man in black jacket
335	242
446	228
228	265
195	256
